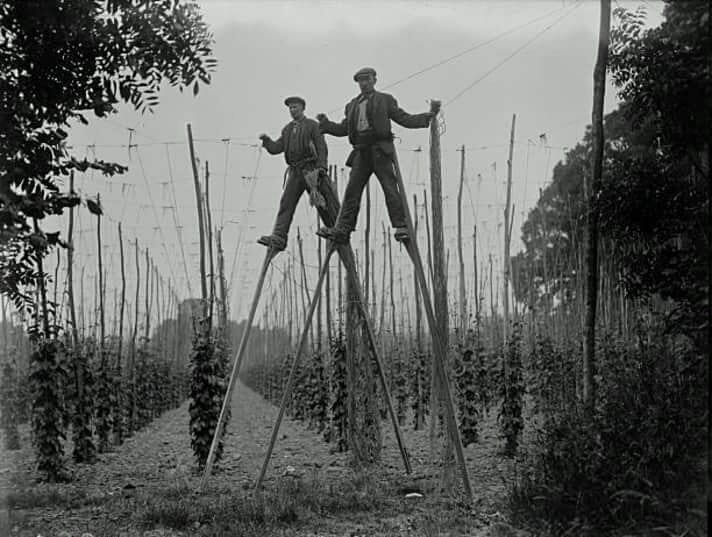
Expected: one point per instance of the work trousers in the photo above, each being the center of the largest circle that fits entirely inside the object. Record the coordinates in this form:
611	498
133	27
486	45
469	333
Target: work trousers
293	190
365	162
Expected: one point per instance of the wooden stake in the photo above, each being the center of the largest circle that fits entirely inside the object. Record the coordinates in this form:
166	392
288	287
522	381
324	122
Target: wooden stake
439	339
237	364
209	236
201	225
507	238
461	262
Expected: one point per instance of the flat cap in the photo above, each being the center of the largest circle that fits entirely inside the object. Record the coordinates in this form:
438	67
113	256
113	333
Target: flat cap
364	71
290	100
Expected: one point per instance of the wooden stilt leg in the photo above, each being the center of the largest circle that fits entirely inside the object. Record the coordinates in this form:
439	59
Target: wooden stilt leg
346	253
271	253
439	347
295	364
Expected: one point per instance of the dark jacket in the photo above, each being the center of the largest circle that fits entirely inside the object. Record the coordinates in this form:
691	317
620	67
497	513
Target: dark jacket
310	144
380	110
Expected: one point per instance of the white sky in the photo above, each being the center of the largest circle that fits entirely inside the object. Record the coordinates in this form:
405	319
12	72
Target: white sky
267	50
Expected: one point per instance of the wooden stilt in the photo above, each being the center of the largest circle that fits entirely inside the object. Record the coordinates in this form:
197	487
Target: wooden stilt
287	393
439	347
236	367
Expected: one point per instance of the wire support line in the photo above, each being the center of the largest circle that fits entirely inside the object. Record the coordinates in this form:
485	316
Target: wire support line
513	54
155	216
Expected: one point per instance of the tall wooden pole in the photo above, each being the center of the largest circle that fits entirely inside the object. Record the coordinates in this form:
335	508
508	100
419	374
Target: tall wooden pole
319	308
440	297
102	325
70	270
201	224
507	238
367	245
592	189
147	312
418	313
474	286
461	262
209	239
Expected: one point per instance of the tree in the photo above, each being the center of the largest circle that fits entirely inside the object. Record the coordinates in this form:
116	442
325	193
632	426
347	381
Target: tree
655	187
63	60
593	187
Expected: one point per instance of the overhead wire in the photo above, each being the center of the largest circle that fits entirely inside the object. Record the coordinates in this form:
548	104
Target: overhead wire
513	54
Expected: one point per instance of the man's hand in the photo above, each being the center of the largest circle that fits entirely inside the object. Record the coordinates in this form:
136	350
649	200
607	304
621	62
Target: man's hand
321	118
434	107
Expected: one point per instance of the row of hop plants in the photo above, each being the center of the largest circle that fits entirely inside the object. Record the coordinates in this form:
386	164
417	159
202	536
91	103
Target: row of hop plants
75	392
319	395
634	457
209	377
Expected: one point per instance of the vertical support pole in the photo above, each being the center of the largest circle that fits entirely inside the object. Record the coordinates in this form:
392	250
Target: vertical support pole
439	341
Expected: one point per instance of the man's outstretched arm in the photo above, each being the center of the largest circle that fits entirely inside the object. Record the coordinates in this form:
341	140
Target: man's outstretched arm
273	147
411	121
329	127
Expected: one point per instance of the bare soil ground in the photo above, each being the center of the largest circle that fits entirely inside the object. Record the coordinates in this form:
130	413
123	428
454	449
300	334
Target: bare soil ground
147	486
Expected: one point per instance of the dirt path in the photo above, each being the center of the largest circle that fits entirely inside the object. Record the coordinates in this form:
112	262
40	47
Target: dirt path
160	456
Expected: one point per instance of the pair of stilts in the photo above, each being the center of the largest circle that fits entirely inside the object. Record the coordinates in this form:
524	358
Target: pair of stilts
328	215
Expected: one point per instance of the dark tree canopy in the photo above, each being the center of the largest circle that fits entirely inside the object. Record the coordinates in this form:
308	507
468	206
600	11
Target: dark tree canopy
654	200
62	61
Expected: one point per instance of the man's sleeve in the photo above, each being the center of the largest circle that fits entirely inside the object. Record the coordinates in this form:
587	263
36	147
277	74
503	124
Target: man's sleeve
404	119
322	152
336	129
274	147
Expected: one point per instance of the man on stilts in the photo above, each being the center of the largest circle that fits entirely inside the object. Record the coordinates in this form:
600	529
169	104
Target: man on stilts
367	123
305	151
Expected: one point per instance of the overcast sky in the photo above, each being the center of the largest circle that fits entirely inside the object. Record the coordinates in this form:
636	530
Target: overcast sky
540	69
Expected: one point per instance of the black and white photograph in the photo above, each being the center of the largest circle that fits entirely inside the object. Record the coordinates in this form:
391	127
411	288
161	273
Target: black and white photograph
355	268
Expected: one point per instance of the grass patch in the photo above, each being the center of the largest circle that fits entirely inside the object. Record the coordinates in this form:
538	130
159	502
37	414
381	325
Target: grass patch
60	497
287	502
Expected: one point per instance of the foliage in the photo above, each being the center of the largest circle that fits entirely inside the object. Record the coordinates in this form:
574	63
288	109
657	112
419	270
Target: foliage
631	462
419	387
61	61
84	447
207	390
105	393
654	201
318	393
551	376
470	375
400	383
47	377
512	393
338	417
9	406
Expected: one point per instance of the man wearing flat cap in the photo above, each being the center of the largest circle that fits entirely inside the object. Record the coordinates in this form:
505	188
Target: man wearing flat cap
367	123
305	151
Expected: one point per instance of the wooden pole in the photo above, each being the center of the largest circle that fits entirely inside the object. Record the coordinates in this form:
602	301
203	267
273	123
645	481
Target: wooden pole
367	244
305	288
70	276
418	312
461	262
102	325
318	306
209	238
440	294
505	258
474	285
237	364
427	234
439	339
201	225
592	189
148	297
